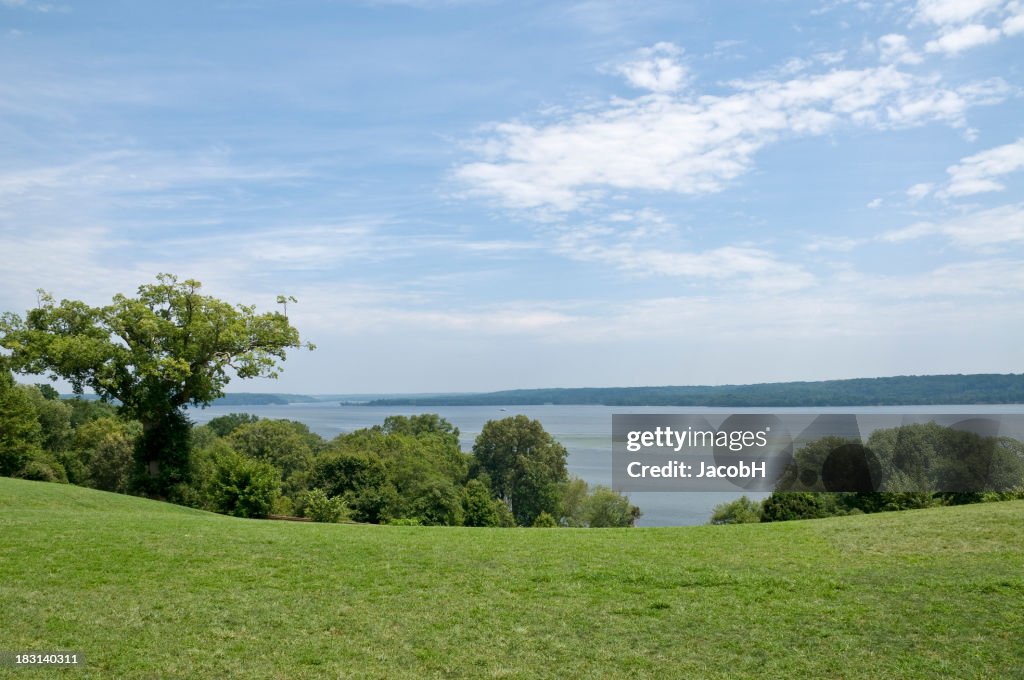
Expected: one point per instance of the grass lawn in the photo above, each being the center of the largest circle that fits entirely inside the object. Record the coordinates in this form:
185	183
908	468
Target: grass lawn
147	589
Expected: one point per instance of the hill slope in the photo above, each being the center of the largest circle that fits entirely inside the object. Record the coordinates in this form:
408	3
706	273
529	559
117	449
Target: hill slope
147	589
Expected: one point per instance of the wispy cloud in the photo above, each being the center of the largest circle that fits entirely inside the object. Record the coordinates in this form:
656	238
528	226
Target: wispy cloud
698	144
981	172
657	69
966	24
946	12
35	6
981	230
895	49
919	191
130	170
963	38
742	266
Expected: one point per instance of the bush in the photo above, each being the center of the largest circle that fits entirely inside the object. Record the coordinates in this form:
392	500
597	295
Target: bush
283	506
323	508
607	508
244	487
106	453
574	503
505	517
405	522
545	521
42	469
781	507
479	509
740	511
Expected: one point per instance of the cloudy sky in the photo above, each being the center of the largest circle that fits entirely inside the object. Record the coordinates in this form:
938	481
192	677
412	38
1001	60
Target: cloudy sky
488	195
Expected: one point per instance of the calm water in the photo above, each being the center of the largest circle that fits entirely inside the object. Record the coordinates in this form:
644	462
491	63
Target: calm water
585	431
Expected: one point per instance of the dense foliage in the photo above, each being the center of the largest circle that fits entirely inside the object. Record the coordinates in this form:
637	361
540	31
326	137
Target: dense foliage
914	466
409	470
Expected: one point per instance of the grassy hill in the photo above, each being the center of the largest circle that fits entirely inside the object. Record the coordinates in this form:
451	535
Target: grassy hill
146	589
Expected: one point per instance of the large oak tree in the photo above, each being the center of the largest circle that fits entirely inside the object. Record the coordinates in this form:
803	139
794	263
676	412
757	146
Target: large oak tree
155	353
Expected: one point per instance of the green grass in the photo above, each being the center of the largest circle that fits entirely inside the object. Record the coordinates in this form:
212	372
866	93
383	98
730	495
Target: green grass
146	589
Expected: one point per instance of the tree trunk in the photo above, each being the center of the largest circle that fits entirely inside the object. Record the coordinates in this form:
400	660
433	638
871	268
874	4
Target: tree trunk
162	455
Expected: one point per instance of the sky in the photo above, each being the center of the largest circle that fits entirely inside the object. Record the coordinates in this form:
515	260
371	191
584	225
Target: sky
471	196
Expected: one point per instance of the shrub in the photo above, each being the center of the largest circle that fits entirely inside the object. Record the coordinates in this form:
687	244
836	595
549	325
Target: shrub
479	509
574	503
505	517
781	507
43	469
608	508
740	511
244	487
283	506
323	508
545	521
106	452
405	522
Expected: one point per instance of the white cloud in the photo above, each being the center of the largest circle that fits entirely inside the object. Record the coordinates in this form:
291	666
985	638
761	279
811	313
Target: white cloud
1014	23
895	49
875	203
963	38
977	174
986	283
133	171
35	6
919	191
924	104
695	144
965	24
830	58
657	69
840	244
982	230
745	266
945	12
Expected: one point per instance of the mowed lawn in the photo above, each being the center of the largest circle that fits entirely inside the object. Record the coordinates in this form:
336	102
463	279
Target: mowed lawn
147	589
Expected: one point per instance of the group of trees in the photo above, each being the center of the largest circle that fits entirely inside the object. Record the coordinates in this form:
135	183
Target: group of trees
171	347
918	458
410	470
82	442
907	467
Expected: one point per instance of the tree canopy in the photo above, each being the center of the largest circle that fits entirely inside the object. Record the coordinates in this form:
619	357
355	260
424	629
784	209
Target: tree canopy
168	347
526	466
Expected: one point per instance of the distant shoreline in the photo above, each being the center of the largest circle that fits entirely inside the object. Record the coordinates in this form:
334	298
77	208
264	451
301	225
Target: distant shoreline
924	390
989	388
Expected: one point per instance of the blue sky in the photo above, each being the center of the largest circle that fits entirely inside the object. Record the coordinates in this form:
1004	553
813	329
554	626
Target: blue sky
489	195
